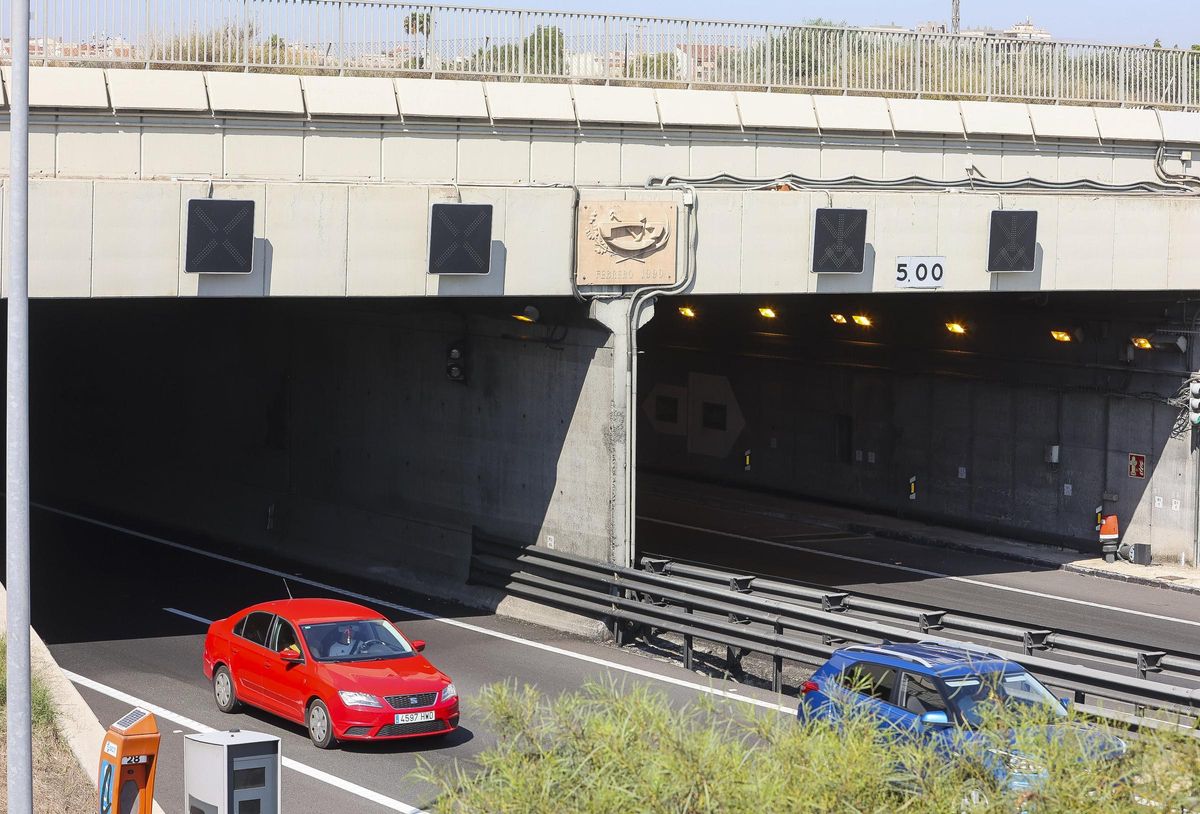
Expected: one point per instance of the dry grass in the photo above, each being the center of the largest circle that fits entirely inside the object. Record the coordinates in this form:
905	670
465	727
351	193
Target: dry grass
60	786
609	748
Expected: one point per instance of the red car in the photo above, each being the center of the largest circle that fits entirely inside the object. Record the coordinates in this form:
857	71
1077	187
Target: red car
342	670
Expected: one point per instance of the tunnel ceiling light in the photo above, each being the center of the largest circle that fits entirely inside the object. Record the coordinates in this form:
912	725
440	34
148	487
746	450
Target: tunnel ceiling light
529	314
862	319
1062	336
1161	341
840	319
687	311
767	313
956	328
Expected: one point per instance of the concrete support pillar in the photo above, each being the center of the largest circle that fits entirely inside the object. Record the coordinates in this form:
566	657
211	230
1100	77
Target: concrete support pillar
615	314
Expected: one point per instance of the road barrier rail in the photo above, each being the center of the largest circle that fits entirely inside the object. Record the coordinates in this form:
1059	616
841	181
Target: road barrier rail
382	37
641	604
1142	661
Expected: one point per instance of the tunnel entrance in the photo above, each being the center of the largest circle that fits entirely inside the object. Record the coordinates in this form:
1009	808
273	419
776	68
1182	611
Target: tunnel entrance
1016	415
368	437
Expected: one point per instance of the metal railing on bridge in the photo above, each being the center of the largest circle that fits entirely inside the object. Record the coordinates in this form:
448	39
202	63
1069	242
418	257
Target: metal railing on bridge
646	604
378	37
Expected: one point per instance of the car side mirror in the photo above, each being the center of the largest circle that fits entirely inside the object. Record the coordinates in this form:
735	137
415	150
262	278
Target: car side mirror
418	645
935	718
290	656
1066	702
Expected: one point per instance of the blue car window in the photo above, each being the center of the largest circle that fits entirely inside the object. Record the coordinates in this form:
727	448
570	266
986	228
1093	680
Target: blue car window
872	680
919	694
972	695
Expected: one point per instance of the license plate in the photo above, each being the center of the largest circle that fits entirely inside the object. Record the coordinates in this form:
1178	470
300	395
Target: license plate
413	717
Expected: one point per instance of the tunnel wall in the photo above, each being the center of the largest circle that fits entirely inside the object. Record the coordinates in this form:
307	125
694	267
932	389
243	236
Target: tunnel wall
843	430
324	431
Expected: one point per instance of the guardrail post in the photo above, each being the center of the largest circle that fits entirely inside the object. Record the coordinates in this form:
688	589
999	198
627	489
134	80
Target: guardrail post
431	61
930	620
989	68
245	35
690	55
777	663
1035	640
834	603
1149	662
606	53
844	60
341	38
145	28
521	44
768	71
919	71
1122	77
740	584
1056	70
688	646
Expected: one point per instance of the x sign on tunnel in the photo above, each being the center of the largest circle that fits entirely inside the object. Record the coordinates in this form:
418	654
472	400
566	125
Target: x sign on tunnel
220	237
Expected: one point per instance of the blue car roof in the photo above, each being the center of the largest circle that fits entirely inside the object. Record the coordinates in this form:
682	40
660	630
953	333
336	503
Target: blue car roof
931	658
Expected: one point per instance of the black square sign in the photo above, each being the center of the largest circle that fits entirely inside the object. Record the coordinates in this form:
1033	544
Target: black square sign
460	238
220	237
1013	240
839	241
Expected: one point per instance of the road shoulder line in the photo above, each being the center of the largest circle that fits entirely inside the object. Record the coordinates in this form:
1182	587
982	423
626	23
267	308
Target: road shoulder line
290	763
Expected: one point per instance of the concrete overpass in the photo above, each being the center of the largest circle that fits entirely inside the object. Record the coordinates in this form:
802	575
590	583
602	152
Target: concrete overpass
329	424
333	161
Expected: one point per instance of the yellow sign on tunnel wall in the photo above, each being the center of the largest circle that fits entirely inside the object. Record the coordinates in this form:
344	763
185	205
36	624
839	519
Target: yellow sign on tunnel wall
626	243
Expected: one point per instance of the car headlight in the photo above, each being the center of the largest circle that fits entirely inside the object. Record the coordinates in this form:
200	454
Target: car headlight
359	699
449	692
1016	762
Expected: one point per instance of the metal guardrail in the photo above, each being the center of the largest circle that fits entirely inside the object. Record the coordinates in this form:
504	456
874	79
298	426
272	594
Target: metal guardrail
382	37
637	602
1143	661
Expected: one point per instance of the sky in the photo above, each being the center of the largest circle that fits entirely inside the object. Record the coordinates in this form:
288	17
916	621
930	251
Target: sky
1118	22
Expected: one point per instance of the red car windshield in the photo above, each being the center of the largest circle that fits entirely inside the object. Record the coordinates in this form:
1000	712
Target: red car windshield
355	640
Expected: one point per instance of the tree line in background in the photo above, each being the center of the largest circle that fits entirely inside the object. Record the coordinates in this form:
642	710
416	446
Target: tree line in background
822	55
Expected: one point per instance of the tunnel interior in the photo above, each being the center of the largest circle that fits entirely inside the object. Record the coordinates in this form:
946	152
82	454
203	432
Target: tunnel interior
1016	415
327	431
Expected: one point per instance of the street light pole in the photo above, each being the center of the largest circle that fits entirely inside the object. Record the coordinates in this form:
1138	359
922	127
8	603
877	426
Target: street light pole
16	485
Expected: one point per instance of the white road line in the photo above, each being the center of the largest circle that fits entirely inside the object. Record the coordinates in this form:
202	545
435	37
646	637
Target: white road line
924	572
196	726
187	615
546	648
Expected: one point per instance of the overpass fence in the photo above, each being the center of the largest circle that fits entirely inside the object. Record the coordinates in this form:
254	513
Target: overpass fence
788	624
377	37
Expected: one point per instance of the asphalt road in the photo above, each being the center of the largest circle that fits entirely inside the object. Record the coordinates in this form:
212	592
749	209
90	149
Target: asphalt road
814	552
101	598
124	613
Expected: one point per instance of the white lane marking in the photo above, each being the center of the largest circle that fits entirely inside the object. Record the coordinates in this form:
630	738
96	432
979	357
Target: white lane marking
191	616
546	648
196	726
924	572
187	615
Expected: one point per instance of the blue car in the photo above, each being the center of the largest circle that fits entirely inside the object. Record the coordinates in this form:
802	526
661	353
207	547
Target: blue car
938	693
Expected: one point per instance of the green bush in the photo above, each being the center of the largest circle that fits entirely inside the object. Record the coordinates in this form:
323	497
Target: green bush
613	749
43	711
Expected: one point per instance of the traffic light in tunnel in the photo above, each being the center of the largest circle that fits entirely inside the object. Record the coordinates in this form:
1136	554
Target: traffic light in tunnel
1194	402
456	362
